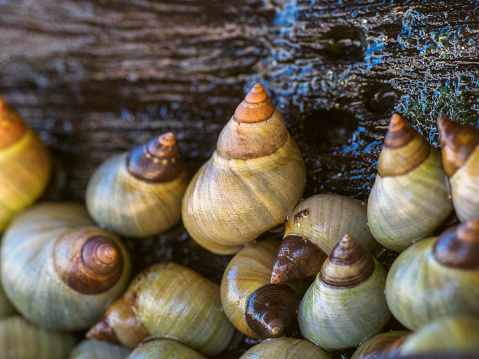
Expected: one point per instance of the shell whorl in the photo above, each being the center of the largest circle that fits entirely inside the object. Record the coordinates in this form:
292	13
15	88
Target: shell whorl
459	246
404	149
12	127
348	265
271	310
88	263
256	107
158	161
458	141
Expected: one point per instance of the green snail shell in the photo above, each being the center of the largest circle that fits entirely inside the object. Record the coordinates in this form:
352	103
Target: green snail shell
314	227
22	340
253	180
167	300
410	197
95	349
164	348
436	277
58	269
285	348
382	345
345	304
139	193
453	335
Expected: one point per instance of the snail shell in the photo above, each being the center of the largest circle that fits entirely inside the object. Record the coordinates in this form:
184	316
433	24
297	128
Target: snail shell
460	156
345	304
25	165
253	180
382	345
167	300
451	335
164	348
315	226
436	277
95	349
410	197
255	307
22	340
138	194
58	269
285	348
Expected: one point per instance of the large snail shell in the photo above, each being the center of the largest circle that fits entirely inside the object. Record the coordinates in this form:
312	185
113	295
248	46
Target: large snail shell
254	306
139	193
451	335
410	197
58	269
382	345
254	179
460	156
25	165
167	300
95	349
164	348
285	348
22	340
436	277
314	227
346	303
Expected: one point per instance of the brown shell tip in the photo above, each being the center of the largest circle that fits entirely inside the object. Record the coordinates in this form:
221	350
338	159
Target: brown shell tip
297	258
256	107
459	247
167	139
457	143
103	332
271	310
399	132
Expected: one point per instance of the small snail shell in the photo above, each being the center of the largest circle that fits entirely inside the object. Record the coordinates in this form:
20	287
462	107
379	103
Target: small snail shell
460	156
255	307
382	345
58	269
164	348
22	340
95	349
436	277
254	179
139	193
315	226
345	305
25	165
167	300
410	197
285	348
451	335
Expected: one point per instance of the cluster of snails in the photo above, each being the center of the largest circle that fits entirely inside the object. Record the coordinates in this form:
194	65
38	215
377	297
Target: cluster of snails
323	280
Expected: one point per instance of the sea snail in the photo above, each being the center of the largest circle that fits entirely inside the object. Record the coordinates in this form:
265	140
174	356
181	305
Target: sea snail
167	300
164	349
436	277
315	226
382	345
253	180
410	197
460	156
285	348
58	269
139	193
95	349
345	304
254	306
25	165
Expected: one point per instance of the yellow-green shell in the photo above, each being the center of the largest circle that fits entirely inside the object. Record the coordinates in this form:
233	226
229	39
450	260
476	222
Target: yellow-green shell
132	207
408	207
95	349
338	318
419	289
28	273
164	348
22	340
25	169
285	348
